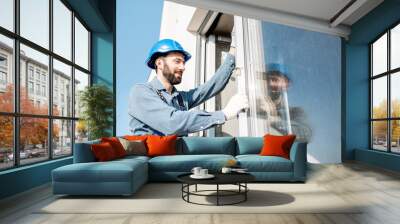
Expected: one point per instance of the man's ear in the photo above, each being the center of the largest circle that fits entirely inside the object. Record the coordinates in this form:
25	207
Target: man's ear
158	62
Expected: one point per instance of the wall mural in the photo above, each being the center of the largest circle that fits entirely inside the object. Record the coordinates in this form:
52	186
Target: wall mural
275	108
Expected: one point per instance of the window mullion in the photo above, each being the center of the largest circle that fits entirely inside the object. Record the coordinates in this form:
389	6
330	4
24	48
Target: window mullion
50	81
73	82
371	89
16	83
389	94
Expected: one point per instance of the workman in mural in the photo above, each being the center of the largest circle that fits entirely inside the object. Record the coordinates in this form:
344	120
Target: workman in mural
280	117
158	108
275	102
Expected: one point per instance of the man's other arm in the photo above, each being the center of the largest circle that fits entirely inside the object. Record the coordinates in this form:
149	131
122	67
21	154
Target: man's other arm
213	86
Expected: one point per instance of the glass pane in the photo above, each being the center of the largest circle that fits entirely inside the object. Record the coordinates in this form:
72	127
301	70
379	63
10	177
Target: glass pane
379	100
395	94
395	47
34	81
62	89
62	137
6	142
6	74
81	81
35	21
379	55
81	45
62	29
379	135
33	139
81	131
7	14
395	138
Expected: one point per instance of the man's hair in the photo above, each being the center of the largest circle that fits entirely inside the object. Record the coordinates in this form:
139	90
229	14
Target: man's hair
157	56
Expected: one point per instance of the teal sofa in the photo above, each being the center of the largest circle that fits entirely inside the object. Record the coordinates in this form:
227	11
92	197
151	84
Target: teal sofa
125	176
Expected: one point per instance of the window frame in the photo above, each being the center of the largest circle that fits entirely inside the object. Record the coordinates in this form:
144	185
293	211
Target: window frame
388	74
16	114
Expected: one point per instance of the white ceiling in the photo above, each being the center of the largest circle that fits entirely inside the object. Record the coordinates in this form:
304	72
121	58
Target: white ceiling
316	15
319	9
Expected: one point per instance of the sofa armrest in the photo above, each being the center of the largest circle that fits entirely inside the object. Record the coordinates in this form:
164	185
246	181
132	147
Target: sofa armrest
298	155
83	153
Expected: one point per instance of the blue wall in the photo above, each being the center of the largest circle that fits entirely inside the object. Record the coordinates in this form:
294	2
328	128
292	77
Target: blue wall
103	61
24	178
138	28
357	84
102	58
313	62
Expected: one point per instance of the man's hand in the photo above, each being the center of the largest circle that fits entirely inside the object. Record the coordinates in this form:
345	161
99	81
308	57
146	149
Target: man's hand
232	50
236	104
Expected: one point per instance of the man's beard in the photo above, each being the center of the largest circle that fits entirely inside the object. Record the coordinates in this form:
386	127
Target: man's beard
169	75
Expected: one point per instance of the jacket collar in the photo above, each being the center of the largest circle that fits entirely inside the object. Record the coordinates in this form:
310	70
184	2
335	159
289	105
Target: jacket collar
159	86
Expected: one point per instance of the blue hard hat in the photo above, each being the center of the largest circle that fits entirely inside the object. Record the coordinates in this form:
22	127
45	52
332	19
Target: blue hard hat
165	46
277	67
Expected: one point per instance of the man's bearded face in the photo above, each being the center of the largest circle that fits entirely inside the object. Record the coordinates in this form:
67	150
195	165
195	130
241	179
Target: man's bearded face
172	67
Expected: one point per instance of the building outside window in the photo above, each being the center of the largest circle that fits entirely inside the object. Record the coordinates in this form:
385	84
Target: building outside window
58	134
385	91
30	87
3	71
43	77
43	90
30	72
3	61
37	74
38	89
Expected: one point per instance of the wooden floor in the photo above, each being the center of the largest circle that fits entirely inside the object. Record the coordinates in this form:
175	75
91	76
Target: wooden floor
377	188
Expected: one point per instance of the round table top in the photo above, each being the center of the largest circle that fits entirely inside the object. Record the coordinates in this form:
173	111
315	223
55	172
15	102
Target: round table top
220	178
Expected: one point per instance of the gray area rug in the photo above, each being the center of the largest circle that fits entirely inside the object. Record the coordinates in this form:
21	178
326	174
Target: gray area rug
166	198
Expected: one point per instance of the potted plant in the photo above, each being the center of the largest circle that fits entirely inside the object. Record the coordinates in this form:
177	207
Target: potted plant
96	103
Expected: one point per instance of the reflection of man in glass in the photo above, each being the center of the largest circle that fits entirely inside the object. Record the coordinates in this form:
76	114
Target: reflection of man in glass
276	103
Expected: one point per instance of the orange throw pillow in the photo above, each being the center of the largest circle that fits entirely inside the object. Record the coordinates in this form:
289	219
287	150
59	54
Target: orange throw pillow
136	137
277	145
103	151
161	145
116	145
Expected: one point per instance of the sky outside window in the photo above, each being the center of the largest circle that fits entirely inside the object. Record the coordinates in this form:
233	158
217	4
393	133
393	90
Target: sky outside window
379	97
7	14
81	45
62	29
395	94
395	47
35	21
379	58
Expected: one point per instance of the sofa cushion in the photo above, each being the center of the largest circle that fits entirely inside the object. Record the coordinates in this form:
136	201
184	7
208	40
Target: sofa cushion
209	145
103	151
277	145
116	145
248	145
257	163
135	147
83	152
111	171
131	158
185	163
161	145
135	137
